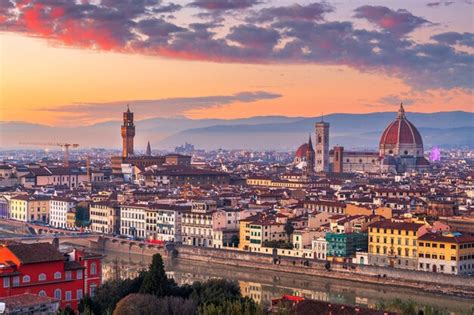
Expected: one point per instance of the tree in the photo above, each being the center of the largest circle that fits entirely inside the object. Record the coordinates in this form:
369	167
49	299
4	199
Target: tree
144	304
243	306
215	291
289	229
108	295
155	281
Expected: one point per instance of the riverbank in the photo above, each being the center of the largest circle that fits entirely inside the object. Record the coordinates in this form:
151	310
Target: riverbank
426	281
264	285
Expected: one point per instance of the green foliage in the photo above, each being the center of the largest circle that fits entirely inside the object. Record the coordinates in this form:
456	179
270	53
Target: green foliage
67	311
82	216
155	281
278	244
410	307
289	229
108	295
160	295
147	304
228	307
215	291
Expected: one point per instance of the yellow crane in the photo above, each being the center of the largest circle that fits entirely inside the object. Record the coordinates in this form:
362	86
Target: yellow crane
64	146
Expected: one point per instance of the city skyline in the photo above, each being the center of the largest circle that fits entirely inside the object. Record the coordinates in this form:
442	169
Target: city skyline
71	64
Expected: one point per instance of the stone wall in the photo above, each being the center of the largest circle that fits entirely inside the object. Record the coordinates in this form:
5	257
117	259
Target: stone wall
428	281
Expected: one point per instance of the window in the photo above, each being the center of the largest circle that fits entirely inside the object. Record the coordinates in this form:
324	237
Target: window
41	277
68	275
26	279
42	293
68	295
79	294
57	275
16	281
57	294
93	269
441	245
6	282
93	288
453	246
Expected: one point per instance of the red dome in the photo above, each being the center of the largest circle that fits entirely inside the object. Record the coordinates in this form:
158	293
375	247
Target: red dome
302	150
401	131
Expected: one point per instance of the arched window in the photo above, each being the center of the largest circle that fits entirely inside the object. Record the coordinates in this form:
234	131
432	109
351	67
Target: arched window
41	277
57	275
57	294
93	269
42	293
406	152
26	279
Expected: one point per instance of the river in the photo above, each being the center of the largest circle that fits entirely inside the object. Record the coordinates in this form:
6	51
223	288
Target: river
262	286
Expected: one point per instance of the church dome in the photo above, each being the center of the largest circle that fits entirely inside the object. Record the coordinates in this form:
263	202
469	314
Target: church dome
301	152
401	137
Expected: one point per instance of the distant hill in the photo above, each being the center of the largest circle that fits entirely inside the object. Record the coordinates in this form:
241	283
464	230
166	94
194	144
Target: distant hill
354	131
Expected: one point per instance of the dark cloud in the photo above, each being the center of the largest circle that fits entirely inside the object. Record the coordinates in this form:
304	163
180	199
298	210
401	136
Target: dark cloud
254	37
162	107
313	11
454	38
438	3
167	8
134	26
222	5
398	22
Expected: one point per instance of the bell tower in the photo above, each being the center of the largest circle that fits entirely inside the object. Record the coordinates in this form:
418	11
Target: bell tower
322	146
128	133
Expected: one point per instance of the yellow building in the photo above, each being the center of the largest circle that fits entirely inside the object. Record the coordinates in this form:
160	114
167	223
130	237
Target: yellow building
446	253
28	208
19	208
258	229
71	219
393	244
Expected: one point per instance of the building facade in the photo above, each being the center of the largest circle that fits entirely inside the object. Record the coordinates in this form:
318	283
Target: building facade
394	244
322	146
59	208
105	217
42	270
449	253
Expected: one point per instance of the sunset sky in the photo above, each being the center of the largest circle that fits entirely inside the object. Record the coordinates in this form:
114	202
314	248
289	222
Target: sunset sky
80	62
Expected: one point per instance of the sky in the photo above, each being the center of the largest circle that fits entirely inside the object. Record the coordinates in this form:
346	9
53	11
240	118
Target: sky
72	63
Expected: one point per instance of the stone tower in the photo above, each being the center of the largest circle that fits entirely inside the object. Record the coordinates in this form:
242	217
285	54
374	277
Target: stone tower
310	158
322	146
128	133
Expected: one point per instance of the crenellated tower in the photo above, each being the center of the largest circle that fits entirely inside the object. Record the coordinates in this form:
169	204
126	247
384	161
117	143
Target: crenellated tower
128	133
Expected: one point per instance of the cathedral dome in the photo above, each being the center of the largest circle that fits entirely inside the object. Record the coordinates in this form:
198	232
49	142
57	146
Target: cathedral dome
401	138
301	152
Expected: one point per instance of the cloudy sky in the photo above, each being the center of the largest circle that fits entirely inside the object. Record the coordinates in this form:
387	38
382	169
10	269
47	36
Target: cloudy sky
73	62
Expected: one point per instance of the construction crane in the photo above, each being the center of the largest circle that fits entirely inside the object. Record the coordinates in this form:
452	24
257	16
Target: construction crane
64	146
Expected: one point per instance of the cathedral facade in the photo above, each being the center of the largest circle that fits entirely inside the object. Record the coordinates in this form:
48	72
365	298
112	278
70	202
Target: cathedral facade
400	150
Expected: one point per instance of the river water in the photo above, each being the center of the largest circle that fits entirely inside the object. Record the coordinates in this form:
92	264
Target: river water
262	286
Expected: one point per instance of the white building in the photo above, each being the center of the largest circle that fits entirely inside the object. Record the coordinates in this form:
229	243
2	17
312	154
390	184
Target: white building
58	209
166	222
133	220
196	226
320	248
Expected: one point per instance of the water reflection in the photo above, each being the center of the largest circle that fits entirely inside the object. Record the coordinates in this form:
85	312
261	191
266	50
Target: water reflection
262	285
